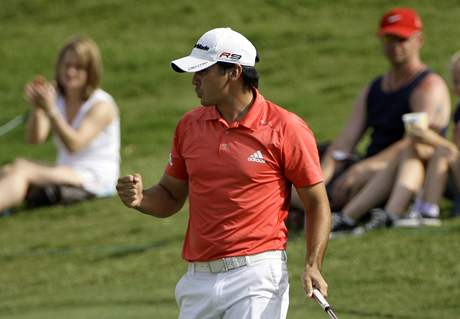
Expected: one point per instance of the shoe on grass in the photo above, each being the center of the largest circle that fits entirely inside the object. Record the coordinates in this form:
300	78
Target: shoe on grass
416	219
341	224
379	219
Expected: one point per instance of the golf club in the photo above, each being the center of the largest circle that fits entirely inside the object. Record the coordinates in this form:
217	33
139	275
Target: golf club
324	304
12	124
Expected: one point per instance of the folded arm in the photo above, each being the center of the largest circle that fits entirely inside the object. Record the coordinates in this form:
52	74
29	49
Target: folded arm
75	139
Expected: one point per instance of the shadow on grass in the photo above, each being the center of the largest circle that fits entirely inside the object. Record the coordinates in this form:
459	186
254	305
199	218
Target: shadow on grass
374	315
100	251
84	304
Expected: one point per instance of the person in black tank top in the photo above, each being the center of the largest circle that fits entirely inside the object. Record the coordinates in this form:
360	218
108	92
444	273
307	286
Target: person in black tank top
385	111
409	86
399	181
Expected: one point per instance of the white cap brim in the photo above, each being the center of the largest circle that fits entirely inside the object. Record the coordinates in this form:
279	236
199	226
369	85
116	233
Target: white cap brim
191	64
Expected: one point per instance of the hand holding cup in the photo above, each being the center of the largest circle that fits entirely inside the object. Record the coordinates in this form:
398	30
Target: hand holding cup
415	122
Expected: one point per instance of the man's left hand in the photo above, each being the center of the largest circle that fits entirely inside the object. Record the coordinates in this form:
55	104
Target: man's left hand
312	278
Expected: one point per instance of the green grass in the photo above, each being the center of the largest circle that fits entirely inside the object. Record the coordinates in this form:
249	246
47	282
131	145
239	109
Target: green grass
100	260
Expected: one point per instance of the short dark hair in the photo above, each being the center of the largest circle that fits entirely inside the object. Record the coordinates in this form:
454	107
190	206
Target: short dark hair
249	74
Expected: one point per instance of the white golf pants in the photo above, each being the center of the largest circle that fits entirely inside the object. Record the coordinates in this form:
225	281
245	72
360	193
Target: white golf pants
259	290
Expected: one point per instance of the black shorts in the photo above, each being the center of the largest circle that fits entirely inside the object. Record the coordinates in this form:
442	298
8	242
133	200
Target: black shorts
47	195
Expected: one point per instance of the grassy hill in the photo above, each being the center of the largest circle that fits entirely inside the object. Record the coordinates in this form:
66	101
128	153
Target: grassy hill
100	260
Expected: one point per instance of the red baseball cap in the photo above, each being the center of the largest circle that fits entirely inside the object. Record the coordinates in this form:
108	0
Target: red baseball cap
401	22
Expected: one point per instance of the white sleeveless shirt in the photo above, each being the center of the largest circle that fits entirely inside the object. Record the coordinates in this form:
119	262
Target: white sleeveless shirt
98	163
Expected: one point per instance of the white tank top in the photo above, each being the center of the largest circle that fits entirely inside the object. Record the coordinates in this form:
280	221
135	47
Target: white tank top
99	162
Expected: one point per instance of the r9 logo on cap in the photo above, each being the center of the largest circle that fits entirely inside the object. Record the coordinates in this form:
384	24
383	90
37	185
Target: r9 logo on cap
231	56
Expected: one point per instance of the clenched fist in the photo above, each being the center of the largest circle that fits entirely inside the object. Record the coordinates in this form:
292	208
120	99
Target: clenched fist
130	189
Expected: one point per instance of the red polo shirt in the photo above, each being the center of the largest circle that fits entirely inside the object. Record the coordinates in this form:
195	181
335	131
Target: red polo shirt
240	177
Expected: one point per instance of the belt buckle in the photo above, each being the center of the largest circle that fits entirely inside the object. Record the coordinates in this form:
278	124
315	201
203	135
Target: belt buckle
217	266
227	267
235	262
226	264
229	263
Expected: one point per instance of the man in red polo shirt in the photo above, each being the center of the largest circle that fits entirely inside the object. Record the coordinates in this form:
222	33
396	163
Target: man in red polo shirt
236	157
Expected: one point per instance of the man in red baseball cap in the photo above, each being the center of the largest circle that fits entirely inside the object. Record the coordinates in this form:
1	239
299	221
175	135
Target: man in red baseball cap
400	22
408	86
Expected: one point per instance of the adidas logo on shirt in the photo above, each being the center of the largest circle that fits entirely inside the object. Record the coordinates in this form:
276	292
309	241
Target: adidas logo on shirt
256	157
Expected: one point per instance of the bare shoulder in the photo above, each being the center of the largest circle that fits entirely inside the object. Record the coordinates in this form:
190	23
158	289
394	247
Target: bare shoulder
432	82
432	96
102	111
431	90
102	107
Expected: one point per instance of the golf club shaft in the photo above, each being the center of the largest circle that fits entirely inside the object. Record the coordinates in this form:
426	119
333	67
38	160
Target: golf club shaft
12	124
323	303
331	314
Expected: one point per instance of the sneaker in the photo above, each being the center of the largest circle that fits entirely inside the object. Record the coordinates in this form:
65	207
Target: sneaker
341	224
430	221
379	219
412	219
423	214
416	219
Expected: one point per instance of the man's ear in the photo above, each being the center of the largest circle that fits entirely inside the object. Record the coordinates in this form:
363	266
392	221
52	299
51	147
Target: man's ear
422	39
235	72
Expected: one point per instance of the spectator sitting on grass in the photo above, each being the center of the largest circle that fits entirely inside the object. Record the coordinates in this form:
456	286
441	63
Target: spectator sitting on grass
446	158
405	176
85	123
408	86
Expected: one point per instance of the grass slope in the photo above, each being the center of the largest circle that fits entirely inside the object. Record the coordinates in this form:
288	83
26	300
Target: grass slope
99	260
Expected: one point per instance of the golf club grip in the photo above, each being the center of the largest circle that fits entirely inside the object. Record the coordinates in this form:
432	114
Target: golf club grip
321	300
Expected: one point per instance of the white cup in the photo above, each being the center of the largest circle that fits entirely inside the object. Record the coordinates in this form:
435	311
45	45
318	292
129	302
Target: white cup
416	119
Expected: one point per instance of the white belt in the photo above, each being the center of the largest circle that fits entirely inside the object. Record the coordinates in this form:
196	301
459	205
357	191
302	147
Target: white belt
229	263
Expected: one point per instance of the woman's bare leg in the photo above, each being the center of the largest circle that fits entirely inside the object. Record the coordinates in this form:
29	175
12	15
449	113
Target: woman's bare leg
409	180
18	176
436	177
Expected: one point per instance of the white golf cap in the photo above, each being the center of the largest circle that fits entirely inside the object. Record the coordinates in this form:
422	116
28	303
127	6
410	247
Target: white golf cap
221	44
